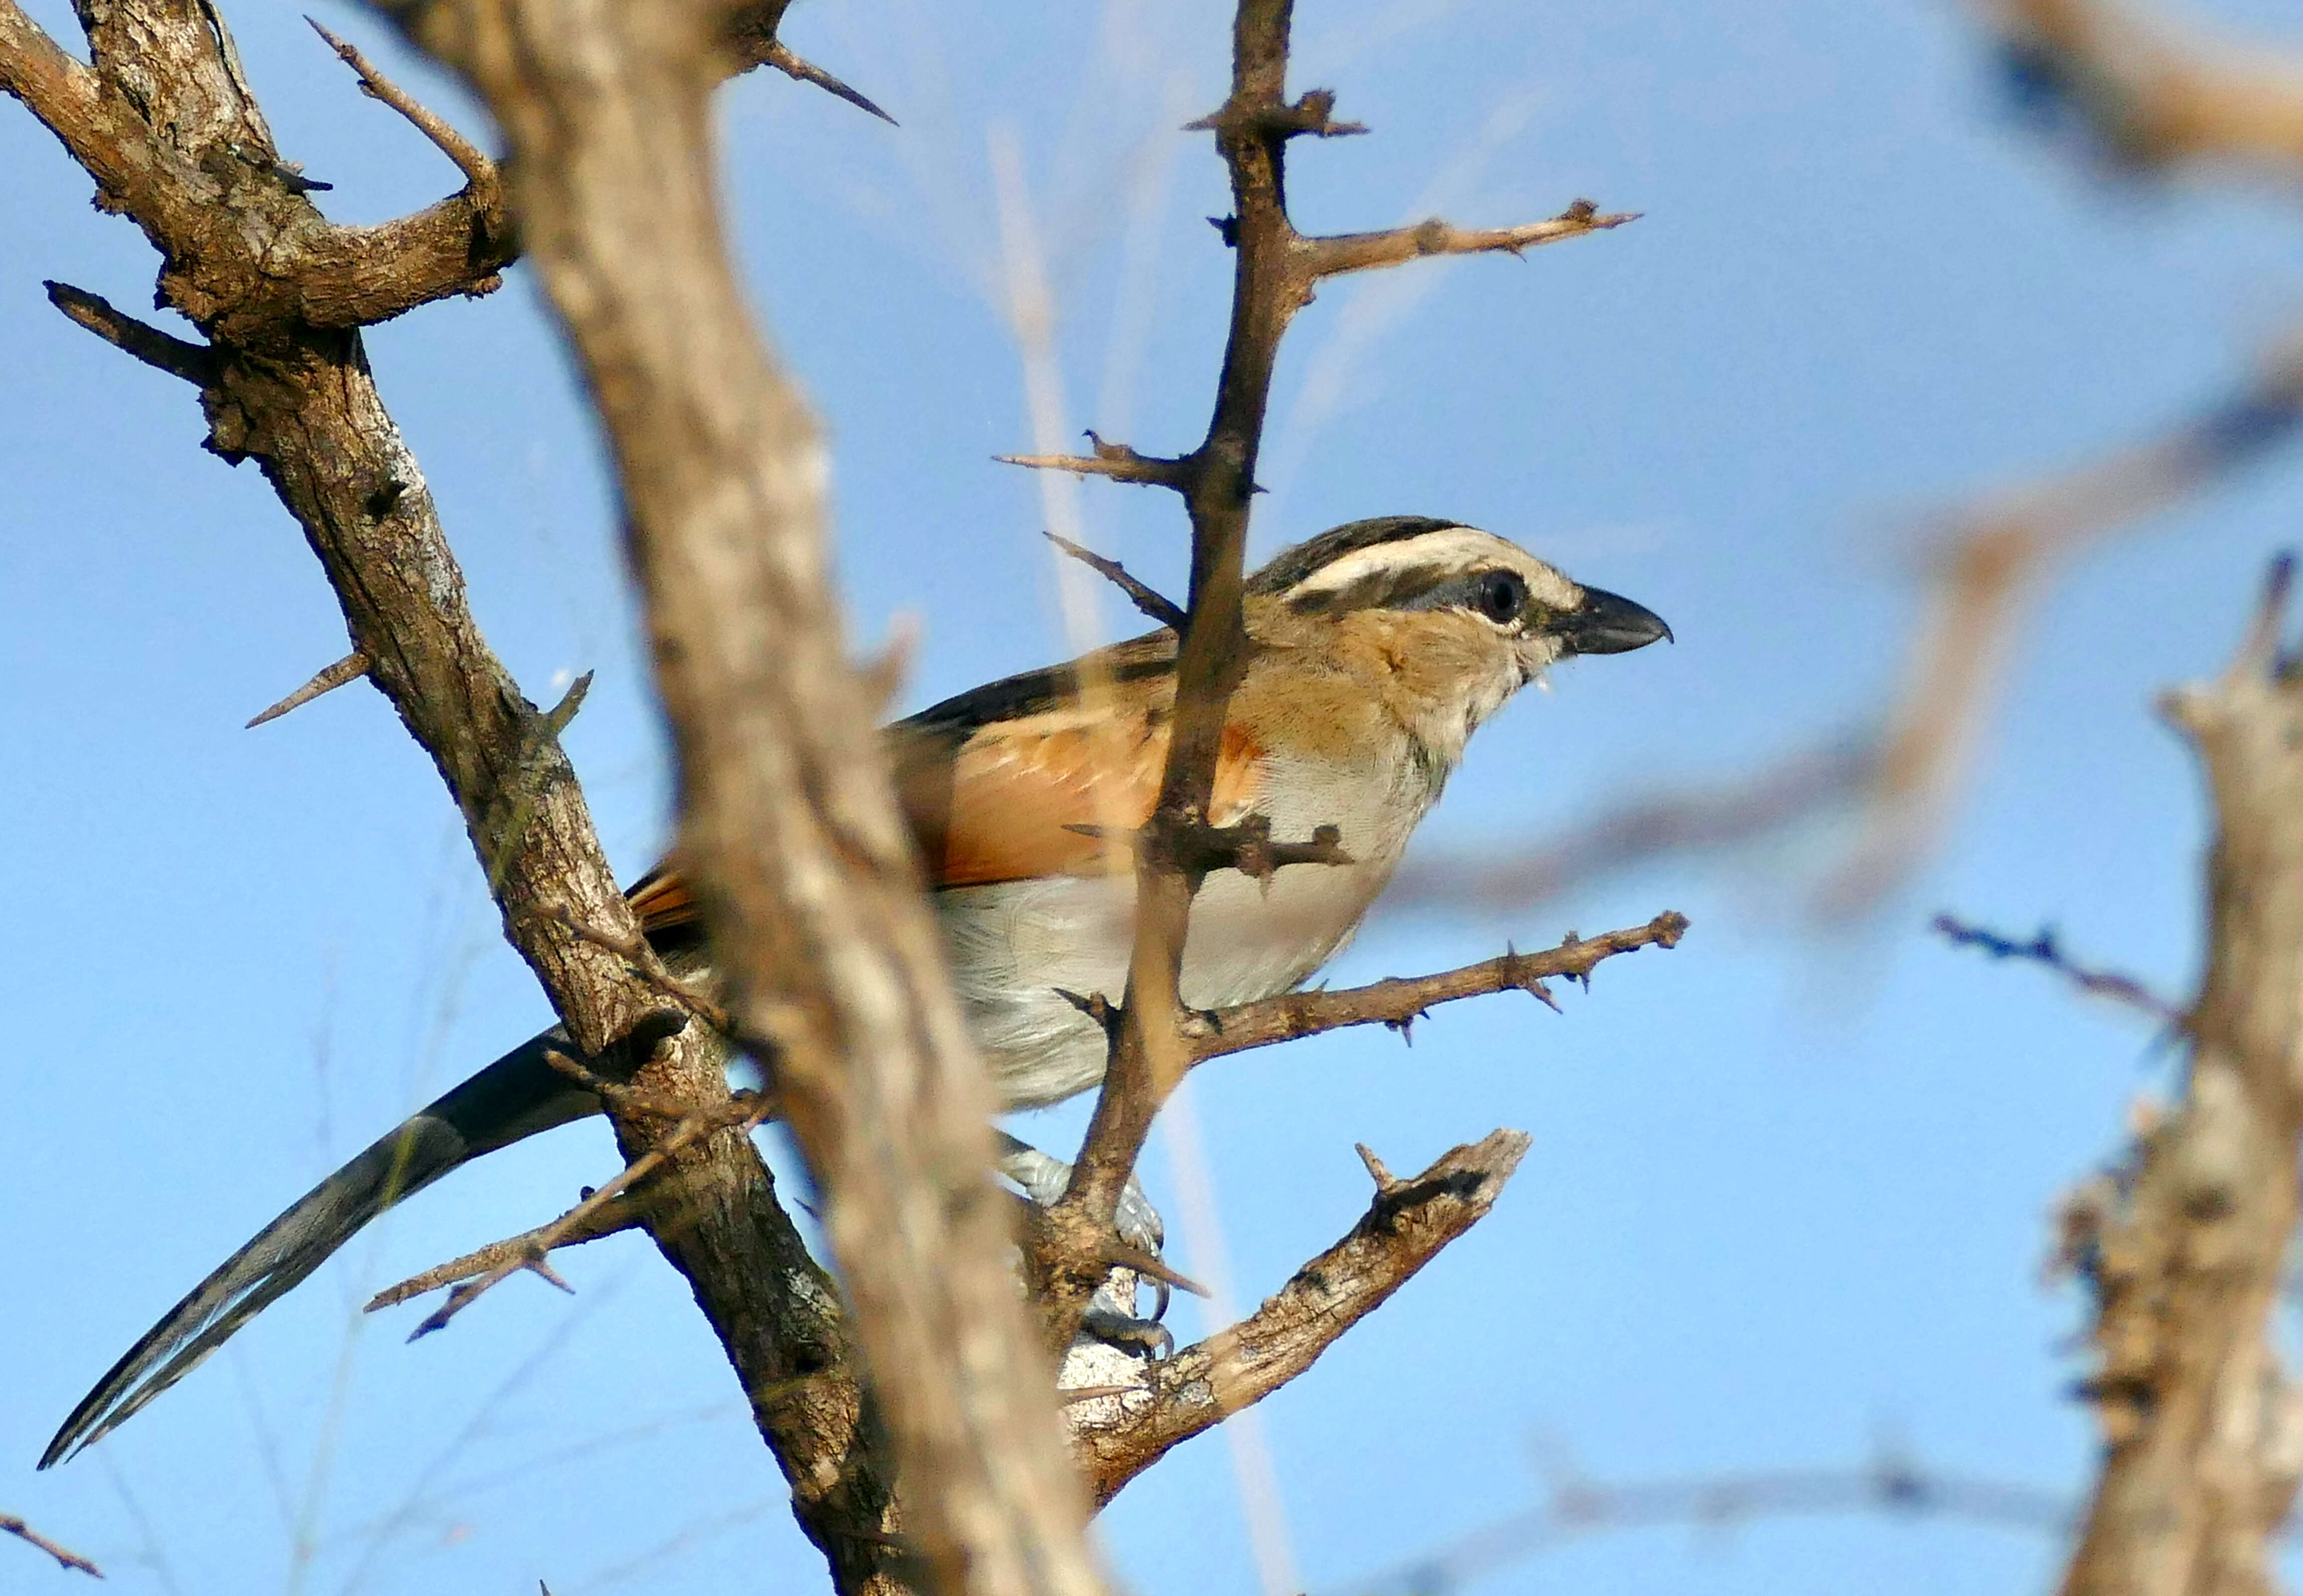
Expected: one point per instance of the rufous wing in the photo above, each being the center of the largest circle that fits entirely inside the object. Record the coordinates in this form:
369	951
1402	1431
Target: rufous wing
1015	799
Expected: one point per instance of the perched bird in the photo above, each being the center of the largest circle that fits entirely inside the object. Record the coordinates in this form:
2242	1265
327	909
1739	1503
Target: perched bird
1377	649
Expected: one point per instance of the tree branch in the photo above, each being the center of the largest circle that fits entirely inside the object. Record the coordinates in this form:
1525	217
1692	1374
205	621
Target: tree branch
1116	461
2045	949
791	833
2184	1245
1275	270
274	286
1401	1001
1364	252
162	352
10	1524
614	1218
1155	604
2152	93
1117	1437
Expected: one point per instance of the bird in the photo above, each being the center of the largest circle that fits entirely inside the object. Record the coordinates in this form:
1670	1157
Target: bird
1376	649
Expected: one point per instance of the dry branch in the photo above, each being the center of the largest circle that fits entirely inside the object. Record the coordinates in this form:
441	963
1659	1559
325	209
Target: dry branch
1404	1229
1396	245
588	1220
279	292
2046	949
1153	604
1576	1507
791	835
1400	1002
2184	1245
10	1524
568	1230
2153	93
1275	270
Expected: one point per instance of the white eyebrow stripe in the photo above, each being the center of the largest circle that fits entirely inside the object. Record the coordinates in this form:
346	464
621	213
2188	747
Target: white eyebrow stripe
1448	552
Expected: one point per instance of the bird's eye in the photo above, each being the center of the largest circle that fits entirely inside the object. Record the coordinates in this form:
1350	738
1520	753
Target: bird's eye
1500	597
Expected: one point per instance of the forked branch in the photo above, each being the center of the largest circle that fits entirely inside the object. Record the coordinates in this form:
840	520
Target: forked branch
1405	1227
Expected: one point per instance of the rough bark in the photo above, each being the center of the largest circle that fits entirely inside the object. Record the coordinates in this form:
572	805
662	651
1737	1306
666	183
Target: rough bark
789	826
163	122
2186	1244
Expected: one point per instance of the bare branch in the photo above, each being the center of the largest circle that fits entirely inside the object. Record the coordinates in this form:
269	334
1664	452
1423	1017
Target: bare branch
516	1252
1394	246
1313	115
1698	820
1161	608
10	1524
195	363
1577	1507
2184	1245
349	668
484	183
279	292
2153	93
1116	461
1275	270
2044	948
805	870
1399	1002
583	1222
65	95
1404	1229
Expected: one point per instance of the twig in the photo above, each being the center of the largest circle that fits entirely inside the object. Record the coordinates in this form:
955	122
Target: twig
1394	246
480	173
2043	948
12	1525
1700	819
349	668
744	1111
640	955
517	1251
1161	608
1991	557
1405	1227
1399	1002
1577	1507
195	363
1118	461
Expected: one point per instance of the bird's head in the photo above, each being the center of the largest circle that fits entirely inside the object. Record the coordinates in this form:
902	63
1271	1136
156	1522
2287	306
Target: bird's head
1447	621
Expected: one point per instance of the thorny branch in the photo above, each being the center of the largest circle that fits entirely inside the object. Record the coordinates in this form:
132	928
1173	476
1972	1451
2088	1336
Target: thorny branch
2183	1245
1401	1001
10	1524
2045	948
588	1220
791	835
1276	269
168	130
1118	1436
568	1230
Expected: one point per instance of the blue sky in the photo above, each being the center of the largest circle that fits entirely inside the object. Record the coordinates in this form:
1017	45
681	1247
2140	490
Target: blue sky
1789	1185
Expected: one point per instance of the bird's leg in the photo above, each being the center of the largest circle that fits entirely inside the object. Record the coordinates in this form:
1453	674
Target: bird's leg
1110	1317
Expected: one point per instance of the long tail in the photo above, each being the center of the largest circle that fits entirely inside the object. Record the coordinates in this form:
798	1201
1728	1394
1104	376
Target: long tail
514	1098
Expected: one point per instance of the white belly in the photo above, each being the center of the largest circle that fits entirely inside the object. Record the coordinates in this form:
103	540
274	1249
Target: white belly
1014	946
